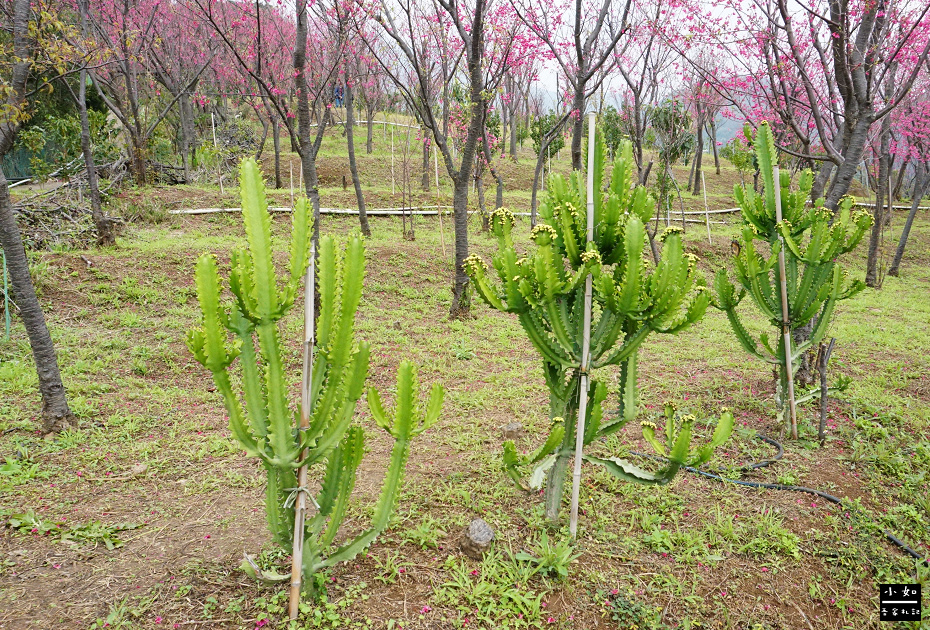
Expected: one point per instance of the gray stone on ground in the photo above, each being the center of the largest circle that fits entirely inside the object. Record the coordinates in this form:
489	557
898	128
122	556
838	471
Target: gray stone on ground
477	539
513	430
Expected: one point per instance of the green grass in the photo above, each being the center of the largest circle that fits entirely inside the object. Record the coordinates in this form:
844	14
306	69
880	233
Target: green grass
696	554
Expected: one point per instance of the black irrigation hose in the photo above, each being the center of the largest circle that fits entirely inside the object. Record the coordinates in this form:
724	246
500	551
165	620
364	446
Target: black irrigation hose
779	486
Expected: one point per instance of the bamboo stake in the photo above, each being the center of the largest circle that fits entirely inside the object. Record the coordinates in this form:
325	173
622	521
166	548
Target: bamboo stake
585	341
219	174
300	504
706	211
442	238
785	327
392	162
291	166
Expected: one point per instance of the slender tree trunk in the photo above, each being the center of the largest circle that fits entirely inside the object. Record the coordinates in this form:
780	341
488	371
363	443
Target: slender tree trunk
424	170
698	159
920	189
899	180
851	159
820	182
513	132
186	116
577	128
276	138
353	166
260	147
460	297
137	159
884	163
712	128
105	236
55	412
307	150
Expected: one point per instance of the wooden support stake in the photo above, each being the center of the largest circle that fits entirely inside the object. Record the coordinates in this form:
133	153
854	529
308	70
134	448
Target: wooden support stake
300	504
392	162
291	166
706	211
823	359
219	174
585	341
785	315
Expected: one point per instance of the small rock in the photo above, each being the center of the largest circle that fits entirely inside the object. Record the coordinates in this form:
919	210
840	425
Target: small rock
139	469
513	430
477	539
397	326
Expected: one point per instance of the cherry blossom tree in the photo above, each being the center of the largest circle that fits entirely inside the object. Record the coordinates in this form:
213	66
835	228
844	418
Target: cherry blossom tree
581	37
32	51
316	60
913	122
129	33
475	42
818	68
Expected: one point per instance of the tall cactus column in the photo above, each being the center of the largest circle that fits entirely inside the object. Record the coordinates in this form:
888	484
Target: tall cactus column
260	417
546	291
810	239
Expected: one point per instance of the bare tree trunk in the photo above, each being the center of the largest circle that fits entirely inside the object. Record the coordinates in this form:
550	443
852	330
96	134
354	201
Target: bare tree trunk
424	169
899	181
353	166
276	138
577	129
853	155
55	412
260	148
820	182
921	186
104	225
460	298
712	129
513	132
884	162
137	160
698	159
186	116
307	150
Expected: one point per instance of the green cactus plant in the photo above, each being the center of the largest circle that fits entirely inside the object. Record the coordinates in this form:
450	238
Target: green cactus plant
813	239
260	418
633	299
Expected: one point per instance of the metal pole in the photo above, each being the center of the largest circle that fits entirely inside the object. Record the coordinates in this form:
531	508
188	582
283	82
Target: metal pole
585	339
300	504
785	317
